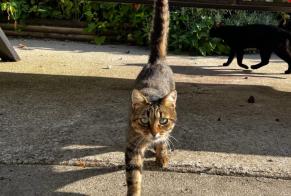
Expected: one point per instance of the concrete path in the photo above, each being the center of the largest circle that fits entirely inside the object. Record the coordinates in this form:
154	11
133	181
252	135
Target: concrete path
66	104
28	180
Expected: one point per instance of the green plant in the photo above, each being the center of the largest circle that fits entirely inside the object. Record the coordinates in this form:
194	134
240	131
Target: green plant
241	17
124	23
15	9
189	31
57	9
107	19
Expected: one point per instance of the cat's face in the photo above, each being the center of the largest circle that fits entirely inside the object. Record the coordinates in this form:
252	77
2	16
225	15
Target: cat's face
153	121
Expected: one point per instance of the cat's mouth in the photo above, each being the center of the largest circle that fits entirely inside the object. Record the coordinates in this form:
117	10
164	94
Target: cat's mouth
157	138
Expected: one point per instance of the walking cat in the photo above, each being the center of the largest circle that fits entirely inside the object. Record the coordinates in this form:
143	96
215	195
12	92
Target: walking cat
153	104
266	38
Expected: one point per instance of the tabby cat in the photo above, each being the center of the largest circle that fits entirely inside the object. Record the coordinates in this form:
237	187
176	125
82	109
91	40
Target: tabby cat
266	38
153	104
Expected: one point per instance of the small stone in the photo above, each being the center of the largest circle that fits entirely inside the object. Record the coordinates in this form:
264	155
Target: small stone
251	99
21	46
277	120
246	77
219	119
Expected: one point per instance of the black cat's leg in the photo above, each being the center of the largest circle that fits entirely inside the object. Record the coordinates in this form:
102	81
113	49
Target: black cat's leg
230	58
239	56
284	53
265	57
286	56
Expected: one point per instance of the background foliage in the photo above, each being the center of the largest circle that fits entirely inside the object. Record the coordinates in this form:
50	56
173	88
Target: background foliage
126	23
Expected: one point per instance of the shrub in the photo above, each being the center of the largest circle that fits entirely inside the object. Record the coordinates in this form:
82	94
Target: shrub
125	23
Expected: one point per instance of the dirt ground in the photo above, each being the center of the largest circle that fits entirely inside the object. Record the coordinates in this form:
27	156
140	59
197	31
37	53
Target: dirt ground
66	103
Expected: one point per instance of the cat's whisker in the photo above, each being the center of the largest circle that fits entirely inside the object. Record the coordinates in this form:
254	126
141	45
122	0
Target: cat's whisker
169	140
174	138
170	145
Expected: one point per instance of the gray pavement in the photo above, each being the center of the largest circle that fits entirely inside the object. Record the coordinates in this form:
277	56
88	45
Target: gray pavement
65	104
28	180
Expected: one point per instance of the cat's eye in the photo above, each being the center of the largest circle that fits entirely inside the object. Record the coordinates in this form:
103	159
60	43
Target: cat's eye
163	121
144	121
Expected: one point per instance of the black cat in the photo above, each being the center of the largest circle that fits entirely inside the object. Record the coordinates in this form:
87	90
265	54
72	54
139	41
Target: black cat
266	38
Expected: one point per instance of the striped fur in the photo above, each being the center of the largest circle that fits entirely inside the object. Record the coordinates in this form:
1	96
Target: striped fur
160	29
134	164
153	104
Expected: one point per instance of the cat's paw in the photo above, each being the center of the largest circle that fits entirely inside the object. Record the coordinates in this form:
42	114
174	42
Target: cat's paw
225	64
244	66
256	66
163	162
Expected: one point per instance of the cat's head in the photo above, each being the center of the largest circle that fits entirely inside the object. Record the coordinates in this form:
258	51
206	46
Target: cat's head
153	121
285	22
216	29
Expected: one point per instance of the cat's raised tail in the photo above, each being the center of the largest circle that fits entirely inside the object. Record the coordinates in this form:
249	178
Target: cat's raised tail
159	33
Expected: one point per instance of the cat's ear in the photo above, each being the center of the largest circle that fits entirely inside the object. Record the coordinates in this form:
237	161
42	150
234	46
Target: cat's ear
137	98
170	99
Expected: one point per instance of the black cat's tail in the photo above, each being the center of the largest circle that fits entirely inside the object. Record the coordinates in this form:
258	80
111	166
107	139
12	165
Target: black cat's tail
159	33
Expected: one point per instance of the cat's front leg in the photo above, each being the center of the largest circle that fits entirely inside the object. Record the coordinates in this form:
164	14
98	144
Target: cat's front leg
239	56
285	54
162	157
265	57
134	163
230	58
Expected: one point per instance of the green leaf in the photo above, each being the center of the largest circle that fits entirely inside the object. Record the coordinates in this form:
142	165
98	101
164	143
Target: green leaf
100	40
91	27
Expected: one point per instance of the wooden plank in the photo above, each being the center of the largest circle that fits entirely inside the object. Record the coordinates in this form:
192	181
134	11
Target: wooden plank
47	29
7	52
217	4
74	37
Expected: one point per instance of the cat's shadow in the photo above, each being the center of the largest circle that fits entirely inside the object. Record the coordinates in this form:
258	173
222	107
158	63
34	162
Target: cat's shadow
219	70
